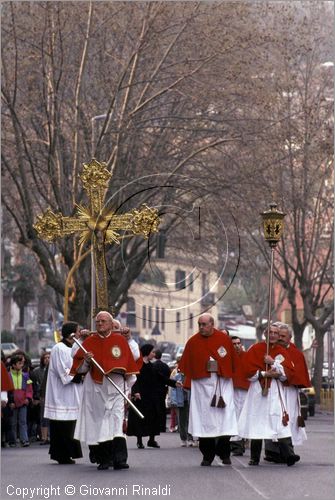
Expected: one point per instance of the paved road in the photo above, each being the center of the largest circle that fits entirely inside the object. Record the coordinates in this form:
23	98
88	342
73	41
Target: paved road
174	472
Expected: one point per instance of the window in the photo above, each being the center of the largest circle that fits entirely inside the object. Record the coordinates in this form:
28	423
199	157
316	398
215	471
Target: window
190	282
157	315
131	312
180	279
191	321
204	283
161	242
131	305
150	316
144	316
163	319
178	322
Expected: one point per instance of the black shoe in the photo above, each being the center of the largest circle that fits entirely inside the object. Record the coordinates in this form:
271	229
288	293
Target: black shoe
103	466
66	461
120	466
253	462
226	461
153	444
292	459
92	457
274	460
237	453
140	446
42	443
206	463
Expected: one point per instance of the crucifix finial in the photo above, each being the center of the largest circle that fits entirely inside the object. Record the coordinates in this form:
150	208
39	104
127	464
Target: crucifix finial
97	223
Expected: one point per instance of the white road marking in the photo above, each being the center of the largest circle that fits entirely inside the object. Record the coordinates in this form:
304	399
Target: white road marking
259	492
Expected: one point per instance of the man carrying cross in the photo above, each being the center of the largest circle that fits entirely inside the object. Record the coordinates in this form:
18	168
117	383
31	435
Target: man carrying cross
101	414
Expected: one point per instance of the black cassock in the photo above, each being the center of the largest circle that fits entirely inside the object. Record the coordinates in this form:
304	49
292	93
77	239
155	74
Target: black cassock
148	384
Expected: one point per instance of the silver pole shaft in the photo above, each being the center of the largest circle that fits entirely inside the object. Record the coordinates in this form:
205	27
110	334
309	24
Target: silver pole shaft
270	300
96	364
265	389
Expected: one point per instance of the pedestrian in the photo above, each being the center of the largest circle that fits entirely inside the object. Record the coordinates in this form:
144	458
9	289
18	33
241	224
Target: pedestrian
62	399
180	400
299	379
164	371
241	386
265	416
208	364
37	376
19	400
102	409
146	397
6	388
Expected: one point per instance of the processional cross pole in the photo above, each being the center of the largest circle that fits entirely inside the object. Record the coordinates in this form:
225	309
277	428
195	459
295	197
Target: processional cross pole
97	223
273	226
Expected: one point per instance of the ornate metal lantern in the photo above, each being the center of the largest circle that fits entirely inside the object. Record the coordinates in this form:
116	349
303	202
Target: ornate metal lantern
273	225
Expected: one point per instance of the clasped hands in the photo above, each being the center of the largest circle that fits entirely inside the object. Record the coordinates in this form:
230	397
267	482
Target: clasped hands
272	373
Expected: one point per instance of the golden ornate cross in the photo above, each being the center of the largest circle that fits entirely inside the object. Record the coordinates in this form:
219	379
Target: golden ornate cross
97	223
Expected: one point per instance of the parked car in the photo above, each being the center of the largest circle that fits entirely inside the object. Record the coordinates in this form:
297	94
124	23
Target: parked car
48	347
303	404
44	330
8	348
309	392
35	362
179	351
327	383
168	347
166	357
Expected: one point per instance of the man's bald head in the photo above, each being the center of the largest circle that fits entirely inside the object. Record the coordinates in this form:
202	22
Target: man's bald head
206	324
104	322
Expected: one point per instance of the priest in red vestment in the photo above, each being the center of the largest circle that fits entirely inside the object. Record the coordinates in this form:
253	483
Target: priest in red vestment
241	386
265	416
299	378
100	422
208	364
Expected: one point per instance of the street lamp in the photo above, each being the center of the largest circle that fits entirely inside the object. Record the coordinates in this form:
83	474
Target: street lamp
94	120
273	228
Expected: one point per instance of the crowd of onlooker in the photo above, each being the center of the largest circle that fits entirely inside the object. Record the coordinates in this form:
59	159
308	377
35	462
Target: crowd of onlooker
22	406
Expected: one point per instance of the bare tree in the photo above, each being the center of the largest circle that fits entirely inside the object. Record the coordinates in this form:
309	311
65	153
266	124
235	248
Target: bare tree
137	65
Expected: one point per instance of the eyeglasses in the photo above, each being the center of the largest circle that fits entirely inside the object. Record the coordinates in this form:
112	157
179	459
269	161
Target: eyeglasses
203	324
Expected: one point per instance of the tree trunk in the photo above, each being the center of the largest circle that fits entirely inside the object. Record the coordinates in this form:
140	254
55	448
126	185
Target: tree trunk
21	318
318	365
298	330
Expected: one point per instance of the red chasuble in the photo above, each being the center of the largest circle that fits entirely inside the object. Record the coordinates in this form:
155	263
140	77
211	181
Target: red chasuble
112	353
6	380
254	360
300	377
199	349
239	379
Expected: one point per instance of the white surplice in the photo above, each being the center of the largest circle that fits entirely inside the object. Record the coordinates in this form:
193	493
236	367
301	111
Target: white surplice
261	416
292	404
62	397
207	421
102	409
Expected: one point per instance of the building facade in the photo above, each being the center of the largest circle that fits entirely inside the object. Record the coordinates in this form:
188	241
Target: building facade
166	300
